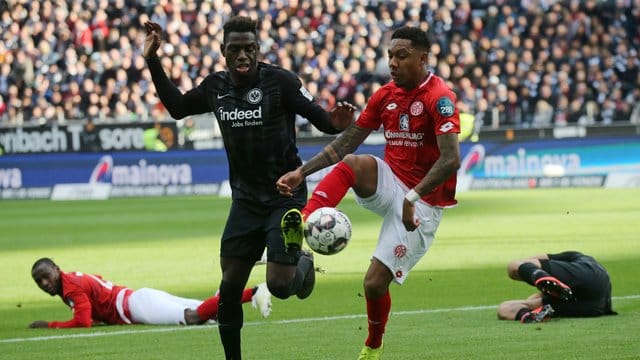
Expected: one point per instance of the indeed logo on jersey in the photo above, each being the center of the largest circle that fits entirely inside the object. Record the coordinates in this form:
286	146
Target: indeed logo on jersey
237	114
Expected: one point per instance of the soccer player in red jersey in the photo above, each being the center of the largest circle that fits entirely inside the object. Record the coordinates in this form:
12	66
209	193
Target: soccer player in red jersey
95	300
408	188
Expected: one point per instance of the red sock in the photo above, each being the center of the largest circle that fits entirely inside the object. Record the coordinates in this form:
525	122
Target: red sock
331	189
247	294
209	308
377	314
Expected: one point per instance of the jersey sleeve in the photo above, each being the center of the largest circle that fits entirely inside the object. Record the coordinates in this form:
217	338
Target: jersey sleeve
79	302
178	104
370	116
298	100
444	112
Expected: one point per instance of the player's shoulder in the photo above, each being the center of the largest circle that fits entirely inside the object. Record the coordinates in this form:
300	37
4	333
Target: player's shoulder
71	280
384	91
275	72
438	96
218	77
436	87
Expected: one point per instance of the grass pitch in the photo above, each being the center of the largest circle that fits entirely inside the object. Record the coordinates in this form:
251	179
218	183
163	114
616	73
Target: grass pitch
445	310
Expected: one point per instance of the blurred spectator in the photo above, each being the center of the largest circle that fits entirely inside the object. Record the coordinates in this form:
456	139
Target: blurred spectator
89	138
152	138
512	63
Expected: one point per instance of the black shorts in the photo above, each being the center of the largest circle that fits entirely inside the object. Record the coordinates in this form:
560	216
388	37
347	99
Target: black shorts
589	282
250	228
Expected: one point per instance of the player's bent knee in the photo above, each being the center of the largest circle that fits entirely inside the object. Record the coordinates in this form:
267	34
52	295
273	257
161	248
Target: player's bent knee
512	269
280	292
279	288
374	289
351	160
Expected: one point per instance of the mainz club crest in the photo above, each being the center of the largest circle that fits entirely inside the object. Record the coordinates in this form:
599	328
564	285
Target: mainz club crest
416	108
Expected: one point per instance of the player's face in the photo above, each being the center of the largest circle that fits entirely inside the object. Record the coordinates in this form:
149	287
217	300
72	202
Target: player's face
407	64
241	52
48	279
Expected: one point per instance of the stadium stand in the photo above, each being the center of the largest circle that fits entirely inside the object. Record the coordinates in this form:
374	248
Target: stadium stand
521	64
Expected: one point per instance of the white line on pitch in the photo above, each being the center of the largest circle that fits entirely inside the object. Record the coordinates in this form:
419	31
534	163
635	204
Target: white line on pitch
289	321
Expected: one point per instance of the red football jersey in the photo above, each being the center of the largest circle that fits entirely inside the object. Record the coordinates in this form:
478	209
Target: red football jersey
90	298
411	120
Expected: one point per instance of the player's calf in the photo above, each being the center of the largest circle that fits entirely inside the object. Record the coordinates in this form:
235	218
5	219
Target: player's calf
306	264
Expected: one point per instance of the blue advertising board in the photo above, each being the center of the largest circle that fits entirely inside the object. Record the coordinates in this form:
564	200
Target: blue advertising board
566	162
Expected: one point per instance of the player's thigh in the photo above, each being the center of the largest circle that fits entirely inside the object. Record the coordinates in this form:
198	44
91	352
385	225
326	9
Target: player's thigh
244	235
571	273
399	249
156	307
387	190
276	251
580	308
365	169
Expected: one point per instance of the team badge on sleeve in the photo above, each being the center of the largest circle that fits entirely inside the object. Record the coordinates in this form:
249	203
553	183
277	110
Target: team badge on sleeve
445	107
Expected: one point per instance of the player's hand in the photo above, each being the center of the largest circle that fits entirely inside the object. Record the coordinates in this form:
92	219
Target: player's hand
408	216
153	40
39	324
342	115
289	181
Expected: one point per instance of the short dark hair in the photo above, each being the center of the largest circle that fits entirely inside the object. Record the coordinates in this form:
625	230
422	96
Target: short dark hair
419	38
41	261
240	24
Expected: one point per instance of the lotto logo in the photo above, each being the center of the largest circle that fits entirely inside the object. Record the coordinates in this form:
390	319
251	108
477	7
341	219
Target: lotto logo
446	127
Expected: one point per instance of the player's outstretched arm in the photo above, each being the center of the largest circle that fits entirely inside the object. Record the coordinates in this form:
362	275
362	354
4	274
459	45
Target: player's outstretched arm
178	104
344	144
336	150
153	40
39	324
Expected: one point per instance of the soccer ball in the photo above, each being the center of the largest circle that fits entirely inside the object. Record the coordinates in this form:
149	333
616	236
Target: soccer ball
327	231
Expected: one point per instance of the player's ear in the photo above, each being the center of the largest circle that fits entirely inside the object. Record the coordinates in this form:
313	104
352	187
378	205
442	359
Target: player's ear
424	57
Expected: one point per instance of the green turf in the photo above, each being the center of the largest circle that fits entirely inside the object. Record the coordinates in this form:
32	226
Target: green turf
445	310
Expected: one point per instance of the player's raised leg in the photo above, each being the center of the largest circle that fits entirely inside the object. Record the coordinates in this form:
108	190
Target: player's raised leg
332	188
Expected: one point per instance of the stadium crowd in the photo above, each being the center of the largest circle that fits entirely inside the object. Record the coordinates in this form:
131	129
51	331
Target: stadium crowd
512	63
